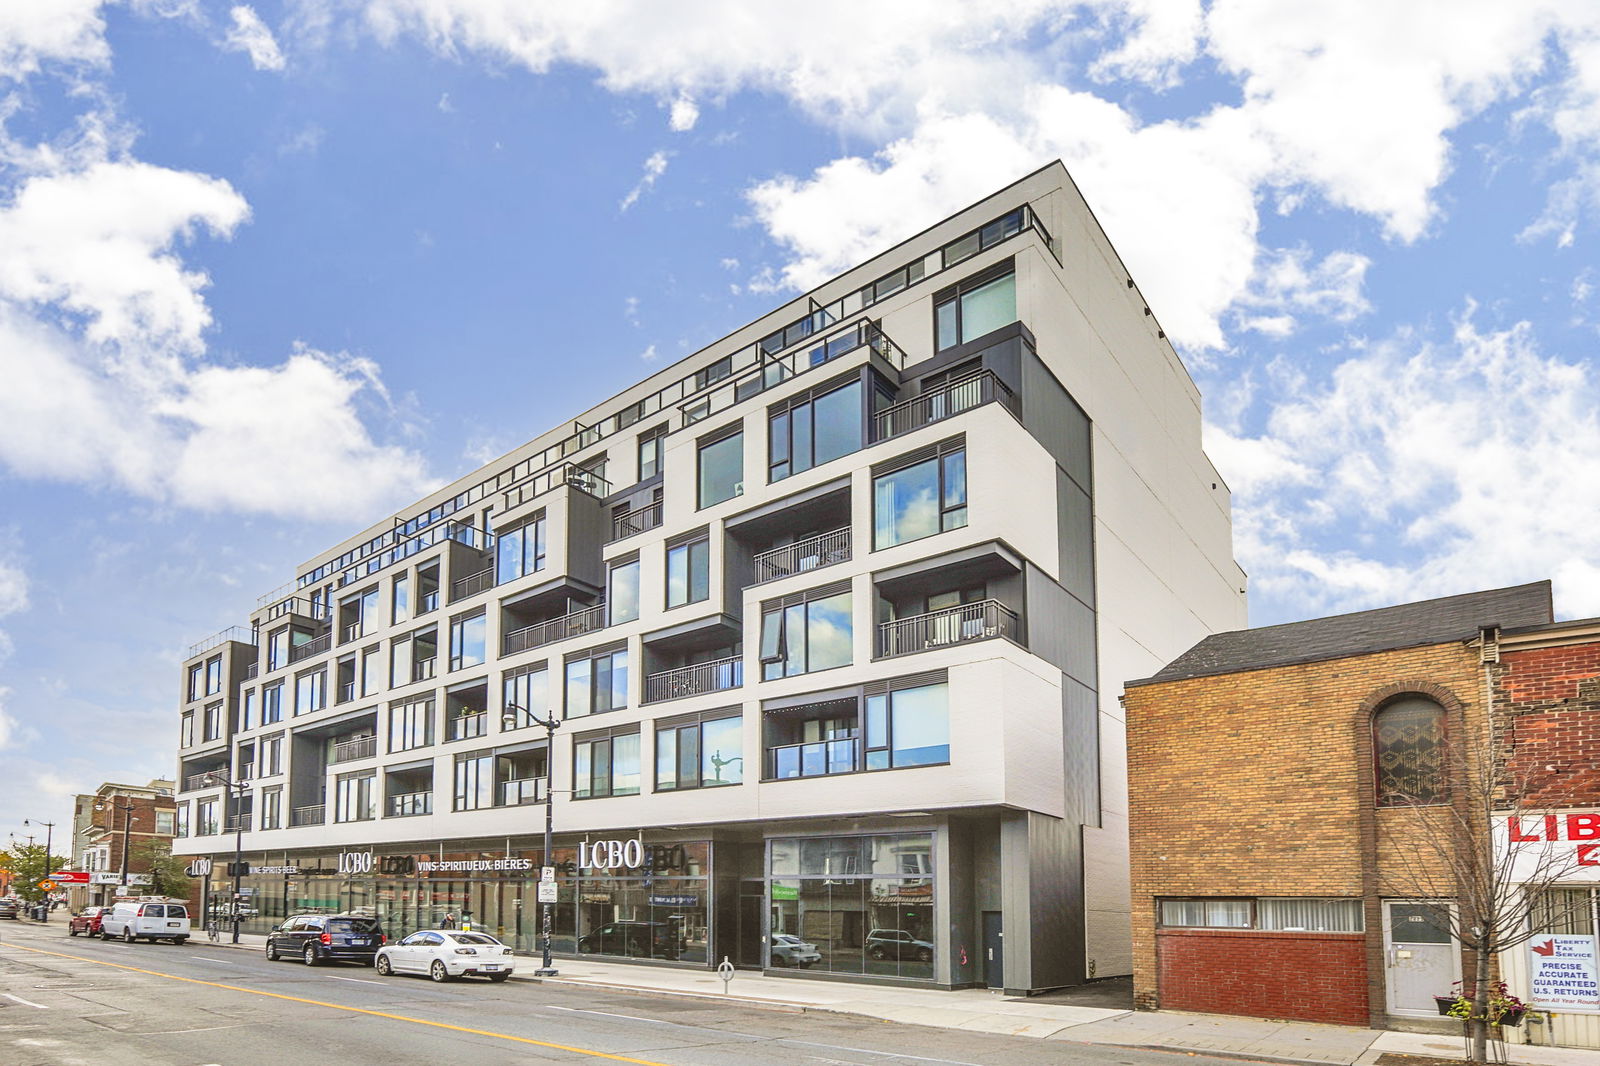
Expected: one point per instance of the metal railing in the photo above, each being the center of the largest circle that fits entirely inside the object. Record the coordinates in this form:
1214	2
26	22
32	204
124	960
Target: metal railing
350	632
410	803
314	646
195	782
541	483
358	748
463	726
953	625
302	606
813	553
632	523
307	815
252	670
568	625
816	759
238	634
239	823
520	791
347	691
428	601
472	584
714	676
423	669
946	401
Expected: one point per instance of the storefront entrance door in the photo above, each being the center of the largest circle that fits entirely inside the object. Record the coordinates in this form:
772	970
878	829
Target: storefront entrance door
1421	958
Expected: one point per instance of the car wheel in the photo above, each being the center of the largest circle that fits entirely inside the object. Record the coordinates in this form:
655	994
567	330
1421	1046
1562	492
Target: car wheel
779	961
127	935
924	955
105	934
877	953
71	931
272	952
499	978
310	955
438	971
384	966
805	966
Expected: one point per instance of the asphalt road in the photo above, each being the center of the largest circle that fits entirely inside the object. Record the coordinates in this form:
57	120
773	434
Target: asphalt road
67	1001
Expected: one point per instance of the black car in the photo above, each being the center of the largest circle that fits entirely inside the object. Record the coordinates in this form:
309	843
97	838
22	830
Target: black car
640	940
315	938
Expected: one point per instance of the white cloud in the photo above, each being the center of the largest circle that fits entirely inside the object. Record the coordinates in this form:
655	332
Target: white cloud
683	116
1422	468
444	104
33	34
1288	283
654	167
250	35
9	729
649	355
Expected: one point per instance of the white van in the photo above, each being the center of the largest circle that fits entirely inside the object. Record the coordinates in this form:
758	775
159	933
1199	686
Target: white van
146	919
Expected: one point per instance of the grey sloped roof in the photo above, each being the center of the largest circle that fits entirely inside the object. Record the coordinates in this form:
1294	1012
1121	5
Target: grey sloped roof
1407	625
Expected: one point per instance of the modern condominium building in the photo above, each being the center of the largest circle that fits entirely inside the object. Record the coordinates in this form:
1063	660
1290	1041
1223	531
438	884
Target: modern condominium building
832	615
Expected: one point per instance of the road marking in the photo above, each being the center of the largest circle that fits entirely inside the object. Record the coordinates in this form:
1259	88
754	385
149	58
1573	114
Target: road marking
175	1032
24	1002
882	1054
625	1017
207	958
353	1010
357	980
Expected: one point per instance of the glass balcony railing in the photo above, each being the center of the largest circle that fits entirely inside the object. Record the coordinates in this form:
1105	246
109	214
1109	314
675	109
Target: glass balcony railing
521	791
816	759
357	748
407	804
307	815
465	726
314	646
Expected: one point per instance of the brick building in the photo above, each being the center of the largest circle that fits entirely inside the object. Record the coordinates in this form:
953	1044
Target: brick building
107	820
1274	869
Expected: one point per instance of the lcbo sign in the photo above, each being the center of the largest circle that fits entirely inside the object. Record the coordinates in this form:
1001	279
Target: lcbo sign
611	855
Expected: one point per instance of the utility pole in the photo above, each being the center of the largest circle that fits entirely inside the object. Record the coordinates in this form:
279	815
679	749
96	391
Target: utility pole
219	778
49	861
550	725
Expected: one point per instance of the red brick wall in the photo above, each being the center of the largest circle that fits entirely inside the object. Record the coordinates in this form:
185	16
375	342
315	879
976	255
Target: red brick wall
1549	699
1313	977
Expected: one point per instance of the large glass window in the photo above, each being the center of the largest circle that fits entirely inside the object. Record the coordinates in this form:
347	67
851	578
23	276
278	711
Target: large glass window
650	452
277	649
474	781
1408	750
606	766
688	572
920	500
206	818
908	727
272	756
1279	915
467	641
371	670
969	313
186	730
411	725
721	469
214	675
272	808
525	696
700	754
213	722
310	692
623	595
401	601
521	550
247	710
597	683
272	703
800	638
811	431
355	797
197	681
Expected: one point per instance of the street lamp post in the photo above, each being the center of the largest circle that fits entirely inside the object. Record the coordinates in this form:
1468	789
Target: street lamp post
49	828
548	909
219	778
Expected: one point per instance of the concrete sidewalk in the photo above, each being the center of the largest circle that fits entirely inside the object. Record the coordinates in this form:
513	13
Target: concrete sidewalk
980	1010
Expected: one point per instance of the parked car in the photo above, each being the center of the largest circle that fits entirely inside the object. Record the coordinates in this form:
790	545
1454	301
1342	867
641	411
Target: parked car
446	953
898	944
10	908
86	921
792	951
150	920
639	940
316	938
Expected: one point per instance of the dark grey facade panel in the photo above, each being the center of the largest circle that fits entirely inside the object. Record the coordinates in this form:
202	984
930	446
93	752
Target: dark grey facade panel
1061	627
1055	419
1075	533
1080	732
1042	879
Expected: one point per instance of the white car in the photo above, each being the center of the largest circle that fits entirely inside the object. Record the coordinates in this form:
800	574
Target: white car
446	953
790	950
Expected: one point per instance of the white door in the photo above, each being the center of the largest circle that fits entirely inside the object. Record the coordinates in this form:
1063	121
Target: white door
1421	958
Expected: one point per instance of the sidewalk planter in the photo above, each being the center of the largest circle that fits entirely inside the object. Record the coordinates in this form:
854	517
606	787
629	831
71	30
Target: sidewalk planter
1444	1003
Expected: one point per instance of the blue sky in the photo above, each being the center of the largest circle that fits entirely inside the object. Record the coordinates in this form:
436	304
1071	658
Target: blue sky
268	271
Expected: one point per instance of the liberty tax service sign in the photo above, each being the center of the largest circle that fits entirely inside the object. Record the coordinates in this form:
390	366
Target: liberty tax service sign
1564	975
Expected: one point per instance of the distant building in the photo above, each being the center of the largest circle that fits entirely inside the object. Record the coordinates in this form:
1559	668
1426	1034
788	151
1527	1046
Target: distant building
105	821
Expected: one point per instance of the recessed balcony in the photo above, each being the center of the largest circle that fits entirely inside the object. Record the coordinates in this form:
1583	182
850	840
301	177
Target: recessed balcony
813	553
353	749
945	401
587	620
962	624
631	523
313	815
697	679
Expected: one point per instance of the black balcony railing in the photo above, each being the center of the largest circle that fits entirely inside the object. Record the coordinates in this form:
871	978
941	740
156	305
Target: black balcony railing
463	726
472	584
358	748
251	670
569	625
813	553
953	625
816	759
307	815
410	803
944	402
541	483
714	676
632	523
239	823
520	791
314	646
423	669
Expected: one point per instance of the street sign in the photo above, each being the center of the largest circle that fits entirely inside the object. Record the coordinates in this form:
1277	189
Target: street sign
47	885
547	873
70	877
547	891
105	877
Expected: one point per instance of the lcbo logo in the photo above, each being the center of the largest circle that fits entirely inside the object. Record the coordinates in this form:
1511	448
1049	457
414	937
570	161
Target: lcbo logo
355	862
611	854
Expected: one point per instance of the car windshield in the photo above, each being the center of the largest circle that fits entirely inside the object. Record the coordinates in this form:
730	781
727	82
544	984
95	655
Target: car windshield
352	925
474	938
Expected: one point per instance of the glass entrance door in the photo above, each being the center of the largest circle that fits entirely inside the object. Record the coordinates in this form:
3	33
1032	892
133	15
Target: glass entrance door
1421	958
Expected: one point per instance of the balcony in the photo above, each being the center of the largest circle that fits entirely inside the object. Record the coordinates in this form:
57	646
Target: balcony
358	748
307	815
195	782
314	646
251	671
423	669
716	676
816	759
239	823
472	584
565	474
409	804
466	726
983	620
522	791
568	625
813	553
944	402
632	523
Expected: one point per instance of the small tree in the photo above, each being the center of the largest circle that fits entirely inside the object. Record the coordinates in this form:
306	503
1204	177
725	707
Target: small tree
168	876
29	864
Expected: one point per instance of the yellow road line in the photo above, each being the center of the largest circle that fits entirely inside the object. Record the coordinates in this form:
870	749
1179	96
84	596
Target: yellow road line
354	1010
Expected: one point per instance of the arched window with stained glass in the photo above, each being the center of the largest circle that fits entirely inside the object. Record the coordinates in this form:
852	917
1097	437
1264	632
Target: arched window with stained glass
1408	747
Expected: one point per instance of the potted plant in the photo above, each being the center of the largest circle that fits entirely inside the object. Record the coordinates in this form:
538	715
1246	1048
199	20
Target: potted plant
1500	1008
